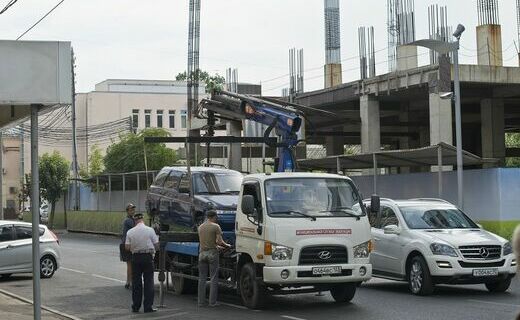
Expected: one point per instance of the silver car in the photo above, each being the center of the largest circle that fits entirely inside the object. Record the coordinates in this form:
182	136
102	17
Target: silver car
16	249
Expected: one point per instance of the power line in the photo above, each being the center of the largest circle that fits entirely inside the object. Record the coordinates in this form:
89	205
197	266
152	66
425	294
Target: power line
8	5
37	22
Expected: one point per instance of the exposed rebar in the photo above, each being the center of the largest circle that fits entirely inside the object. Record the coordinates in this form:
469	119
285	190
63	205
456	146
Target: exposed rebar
488	12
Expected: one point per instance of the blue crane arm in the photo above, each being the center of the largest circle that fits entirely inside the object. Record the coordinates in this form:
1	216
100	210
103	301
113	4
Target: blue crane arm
285	120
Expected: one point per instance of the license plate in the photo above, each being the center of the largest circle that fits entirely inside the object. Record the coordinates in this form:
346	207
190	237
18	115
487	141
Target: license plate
485	272
326	270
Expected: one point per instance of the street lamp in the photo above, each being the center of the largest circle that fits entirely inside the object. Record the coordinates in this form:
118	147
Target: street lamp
444	47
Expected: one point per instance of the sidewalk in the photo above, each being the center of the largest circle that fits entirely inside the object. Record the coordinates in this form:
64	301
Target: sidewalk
16	309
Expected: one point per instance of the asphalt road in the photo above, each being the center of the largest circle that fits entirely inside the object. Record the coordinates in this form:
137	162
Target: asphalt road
90	285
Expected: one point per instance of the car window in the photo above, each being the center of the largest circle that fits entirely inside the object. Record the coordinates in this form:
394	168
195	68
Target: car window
372	218
159	180
172	181
25	232
6	233
388	217
184	184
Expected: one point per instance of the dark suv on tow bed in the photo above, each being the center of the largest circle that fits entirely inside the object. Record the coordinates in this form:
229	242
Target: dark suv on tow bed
169	197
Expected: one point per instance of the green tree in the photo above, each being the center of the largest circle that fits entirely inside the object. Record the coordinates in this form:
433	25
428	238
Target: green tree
213	82
513	141
95	164
54	177
128	154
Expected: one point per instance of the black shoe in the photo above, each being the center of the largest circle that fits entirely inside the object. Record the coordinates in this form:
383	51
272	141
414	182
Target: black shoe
150	310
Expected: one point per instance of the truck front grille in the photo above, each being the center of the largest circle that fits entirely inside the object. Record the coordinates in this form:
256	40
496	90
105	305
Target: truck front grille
323	255
481	252
482	264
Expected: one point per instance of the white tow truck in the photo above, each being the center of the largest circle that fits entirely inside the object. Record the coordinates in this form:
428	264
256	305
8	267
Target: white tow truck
293	233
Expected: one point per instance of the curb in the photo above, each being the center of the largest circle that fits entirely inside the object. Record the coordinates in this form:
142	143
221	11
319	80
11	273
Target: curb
112	234
56	312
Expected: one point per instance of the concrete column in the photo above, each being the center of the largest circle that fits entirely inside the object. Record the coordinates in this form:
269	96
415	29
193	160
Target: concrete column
492	131
333	75
370	124
489	45
234	129
334	145
406	58
441	123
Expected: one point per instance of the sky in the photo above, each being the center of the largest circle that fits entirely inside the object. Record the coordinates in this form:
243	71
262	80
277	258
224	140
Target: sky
148	39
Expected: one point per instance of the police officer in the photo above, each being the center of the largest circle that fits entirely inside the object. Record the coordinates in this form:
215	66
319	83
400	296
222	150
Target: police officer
125	255
142	241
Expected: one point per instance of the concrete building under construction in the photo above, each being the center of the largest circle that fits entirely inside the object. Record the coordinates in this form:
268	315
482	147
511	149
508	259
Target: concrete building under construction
407	107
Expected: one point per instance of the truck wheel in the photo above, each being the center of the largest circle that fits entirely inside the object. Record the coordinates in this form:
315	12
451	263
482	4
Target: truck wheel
419	278
343	292
252	291
182	285
499	286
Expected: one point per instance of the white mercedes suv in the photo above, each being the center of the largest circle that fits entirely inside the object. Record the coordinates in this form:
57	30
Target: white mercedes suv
430	241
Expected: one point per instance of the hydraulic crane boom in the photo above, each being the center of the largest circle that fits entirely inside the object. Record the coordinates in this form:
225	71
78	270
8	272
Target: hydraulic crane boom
285	120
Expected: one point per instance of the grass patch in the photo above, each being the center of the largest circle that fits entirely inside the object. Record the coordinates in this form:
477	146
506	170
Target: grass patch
504	229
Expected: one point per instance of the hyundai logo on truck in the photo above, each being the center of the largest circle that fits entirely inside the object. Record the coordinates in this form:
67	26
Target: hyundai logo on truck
324	255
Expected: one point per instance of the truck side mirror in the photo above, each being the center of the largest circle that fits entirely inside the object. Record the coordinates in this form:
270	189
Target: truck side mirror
375	203
248	205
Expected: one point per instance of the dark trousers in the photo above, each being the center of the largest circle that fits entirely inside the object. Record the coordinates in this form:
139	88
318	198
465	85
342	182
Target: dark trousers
142	268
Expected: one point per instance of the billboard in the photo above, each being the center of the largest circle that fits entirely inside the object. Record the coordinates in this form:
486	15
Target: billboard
35	72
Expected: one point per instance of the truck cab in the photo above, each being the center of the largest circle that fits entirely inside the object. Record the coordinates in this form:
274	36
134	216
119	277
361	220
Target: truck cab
301	232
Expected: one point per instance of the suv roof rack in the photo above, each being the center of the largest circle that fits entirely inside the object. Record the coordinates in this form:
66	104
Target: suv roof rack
431	199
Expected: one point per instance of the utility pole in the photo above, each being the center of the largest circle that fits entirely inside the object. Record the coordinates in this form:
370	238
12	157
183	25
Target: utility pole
1	177
74	138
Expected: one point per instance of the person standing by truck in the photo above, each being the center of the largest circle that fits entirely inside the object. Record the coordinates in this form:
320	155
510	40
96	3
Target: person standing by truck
125	255
142	241
210	237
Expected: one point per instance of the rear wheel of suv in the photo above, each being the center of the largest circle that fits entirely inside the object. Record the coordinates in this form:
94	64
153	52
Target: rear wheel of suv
419	277
343	292
47	267
499	286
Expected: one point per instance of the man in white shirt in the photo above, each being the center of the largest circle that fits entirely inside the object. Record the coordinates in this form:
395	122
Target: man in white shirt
142	241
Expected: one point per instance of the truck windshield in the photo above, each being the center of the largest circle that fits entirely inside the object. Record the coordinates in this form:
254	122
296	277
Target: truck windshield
436	218
311	197
216	183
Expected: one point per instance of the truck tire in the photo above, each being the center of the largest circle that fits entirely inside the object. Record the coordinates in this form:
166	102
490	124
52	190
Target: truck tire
499	286
182	285
419	278
343	292
252	291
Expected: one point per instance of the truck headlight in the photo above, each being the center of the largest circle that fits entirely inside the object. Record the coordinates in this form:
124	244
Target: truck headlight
507	249
363	250
281	252
440	249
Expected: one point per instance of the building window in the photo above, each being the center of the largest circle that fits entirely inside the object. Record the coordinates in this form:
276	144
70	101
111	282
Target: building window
159	118
184	117
172	119
147	118
135	118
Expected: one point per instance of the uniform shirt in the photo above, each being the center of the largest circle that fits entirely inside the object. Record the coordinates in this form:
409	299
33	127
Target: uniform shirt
128	224
208	232
141	238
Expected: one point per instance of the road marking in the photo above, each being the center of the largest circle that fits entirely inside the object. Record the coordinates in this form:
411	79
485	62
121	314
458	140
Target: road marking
236	306
107	278
495	303
169	316
73	270
292	318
